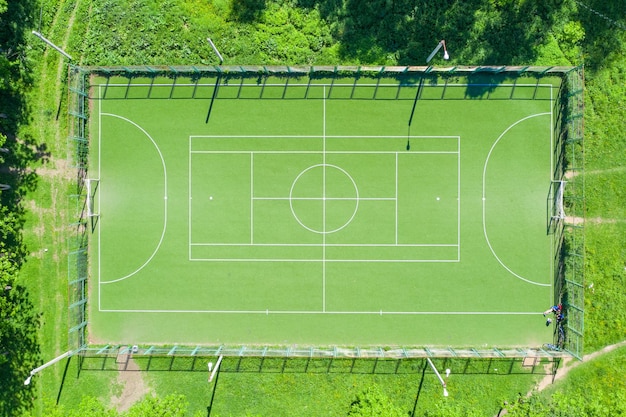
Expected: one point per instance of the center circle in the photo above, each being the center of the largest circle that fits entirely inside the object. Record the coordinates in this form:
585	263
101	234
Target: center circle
324	198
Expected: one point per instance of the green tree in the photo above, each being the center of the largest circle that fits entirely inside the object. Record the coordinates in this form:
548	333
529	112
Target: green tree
92	407
170	406
373	403
19	350
445	408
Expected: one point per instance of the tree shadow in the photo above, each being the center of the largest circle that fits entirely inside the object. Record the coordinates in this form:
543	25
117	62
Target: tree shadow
20	347
247	11
601	19
477	32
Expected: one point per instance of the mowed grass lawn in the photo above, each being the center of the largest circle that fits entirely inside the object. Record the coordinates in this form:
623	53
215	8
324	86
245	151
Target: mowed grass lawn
316	216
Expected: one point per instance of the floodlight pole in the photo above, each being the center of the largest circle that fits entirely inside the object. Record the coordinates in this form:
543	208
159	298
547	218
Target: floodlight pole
61	51
441	44
215	368
443	383
213	373
446	56
45	365
219	56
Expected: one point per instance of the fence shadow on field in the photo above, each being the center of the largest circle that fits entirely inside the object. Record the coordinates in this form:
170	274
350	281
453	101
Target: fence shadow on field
315	83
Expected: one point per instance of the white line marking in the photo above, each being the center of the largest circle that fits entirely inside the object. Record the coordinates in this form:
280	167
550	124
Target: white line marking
551	260
255	85
320	136
324	202
484	199
190	215
328	198
321	152
99	207
346	245
396	198
251	197
164	199
379	312
320	260
458	198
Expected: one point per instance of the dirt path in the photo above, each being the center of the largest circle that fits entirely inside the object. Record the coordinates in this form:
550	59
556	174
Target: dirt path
134	387
572	174
566	367
593	220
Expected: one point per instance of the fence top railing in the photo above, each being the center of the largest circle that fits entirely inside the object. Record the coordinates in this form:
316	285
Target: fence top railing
324	352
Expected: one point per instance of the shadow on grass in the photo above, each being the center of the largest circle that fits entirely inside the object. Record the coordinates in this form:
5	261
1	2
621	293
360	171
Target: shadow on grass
20	349
315	365
477	32
67	366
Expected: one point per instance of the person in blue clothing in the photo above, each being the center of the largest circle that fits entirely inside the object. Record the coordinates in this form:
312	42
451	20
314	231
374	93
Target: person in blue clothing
554	309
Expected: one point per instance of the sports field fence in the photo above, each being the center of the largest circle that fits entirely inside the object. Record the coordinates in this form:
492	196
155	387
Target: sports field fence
377	361
373	82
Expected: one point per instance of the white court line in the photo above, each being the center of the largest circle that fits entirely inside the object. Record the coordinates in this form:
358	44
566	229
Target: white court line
321	152
314	85
328	198
343	245
252	197
100	185
164	198
458	199
332	312
190	215
551	260
325	152
324	202
484	198
324	260
321	136
396	198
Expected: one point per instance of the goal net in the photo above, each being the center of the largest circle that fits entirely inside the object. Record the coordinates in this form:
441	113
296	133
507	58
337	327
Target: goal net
92	188
558	210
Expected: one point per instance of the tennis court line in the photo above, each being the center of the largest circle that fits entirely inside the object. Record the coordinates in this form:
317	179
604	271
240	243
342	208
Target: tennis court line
251	199
323	136
347	245
396	198
495	143
337	312
189	197
99	206
316	85
325	152
321	152
458	198
328	198
324	201
320	260
552	287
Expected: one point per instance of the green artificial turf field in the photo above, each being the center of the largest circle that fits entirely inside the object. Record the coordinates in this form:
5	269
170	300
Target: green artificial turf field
308	211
